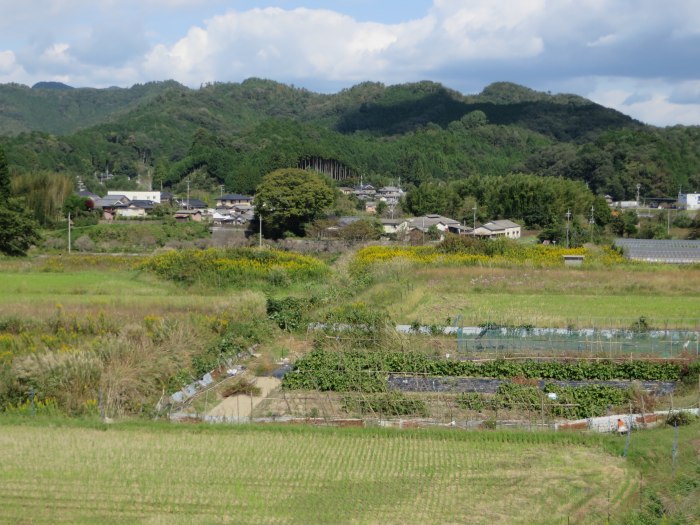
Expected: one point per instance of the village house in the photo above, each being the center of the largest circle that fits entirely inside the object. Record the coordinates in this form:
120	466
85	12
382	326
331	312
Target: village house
441	224
500	228
689	201
233	199
138	209
153	196
110	204
390	194
394	226
365	192
188	215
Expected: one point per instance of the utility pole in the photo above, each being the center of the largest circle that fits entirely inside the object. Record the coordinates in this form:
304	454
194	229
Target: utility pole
69	233
221	187
568	216
591	222
188	194
474	223
638	187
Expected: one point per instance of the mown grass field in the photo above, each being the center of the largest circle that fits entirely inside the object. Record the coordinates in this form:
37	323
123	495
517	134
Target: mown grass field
157	474
548	297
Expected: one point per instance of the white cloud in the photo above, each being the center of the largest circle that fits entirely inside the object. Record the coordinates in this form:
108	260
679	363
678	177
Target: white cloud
631	47
650	101
7	61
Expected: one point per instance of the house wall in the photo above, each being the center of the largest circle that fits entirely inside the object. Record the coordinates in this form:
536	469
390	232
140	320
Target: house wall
131	212
690	201
138	195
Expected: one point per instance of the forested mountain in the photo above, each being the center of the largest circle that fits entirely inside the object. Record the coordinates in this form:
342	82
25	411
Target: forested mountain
234	133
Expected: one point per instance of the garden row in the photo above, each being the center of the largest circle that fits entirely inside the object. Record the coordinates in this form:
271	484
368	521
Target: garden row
568	402
366	371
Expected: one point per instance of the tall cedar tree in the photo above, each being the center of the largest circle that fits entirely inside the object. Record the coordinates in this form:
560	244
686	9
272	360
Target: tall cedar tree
18	230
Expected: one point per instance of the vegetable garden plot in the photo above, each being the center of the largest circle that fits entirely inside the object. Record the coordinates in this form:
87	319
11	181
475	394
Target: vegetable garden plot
638	340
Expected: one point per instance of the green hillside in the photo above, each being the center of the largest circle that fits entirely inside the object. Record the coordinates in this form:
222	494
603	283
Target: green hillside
234	133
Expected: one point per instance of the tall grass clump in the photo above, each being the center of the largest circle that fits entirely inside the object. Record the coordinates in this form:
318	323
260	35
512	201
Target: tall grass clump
216	267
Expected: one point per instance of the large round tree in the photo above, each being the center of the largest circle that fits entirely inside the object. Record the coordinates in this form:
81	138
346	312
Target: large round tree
287	199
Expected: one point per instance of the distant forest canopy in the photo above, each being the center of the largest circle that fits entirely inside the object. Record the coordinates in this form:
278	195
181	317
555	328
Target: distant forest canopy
232	134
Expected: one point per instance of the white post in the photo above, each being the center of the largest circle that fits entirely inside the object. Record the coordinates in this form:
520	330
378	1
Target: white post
260	233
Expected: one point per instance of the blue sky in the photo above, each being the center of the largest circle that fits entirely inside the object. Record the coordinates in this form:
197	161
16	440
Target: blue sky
637	56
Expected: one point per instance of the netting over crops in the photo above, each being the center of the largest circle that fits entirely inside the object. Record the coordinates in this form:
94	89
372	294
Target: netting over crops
638	339
664	251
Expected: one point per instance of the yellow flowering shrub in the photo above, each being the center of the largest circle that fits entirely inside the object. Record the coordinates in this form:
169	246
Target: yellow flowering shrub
496	254
220	267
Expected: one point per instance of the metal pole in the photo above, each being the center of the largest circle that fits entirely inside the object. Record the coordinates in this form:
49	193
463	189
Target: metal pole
69	233
568	216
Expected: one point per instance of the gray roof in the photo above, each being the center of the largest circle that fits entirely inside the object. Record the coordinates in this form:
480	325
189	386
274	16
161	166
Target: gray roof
235	197
427	221
111	201
193	203
146	205
500	225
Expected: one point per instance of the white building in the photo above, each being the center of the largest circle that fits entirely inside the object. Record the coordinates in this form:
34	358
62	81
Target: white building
153	196
502	228
689	201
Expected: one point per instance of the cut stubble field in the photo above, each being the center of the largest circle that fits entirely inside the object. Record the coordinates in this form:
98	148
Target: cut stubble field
54	474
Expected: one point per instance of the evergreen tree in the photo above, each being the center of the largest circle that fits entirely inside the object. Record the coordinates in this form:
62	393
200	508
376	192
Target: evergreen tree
4	178
18	230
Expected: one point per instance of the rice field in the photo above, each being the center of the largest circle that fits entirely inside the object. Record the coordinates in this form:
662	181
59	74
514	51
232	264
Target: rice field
157	474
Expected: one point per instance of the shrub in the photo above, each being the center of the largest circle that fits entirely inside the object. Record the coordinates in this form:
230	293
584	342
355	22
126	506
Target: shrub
679	419
84	243
288	312
240	386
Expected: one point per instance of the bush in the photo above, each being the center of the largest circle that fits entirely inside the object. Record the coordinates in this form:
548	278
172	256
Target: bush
289	312
84	244
243	386
679	419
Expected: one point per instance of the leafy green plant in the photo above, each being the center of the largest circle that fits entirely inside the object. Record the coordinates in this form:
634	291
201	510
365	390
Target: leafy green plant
385	404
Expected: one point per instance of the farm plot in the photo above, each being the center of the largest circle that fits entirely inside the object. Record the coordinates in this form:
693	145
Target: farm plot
377	383
153	474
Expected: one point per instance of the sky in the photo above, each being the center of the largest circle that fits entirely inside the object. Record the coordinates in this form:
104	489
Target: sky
641	57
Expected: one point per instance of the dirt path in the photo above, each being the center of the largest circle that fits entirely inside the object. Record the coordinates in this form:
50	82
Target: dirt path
240	406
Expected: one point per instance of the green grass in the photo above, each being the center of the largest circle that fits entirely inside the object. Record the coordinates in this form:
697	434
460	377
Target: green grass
557	297
162	474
